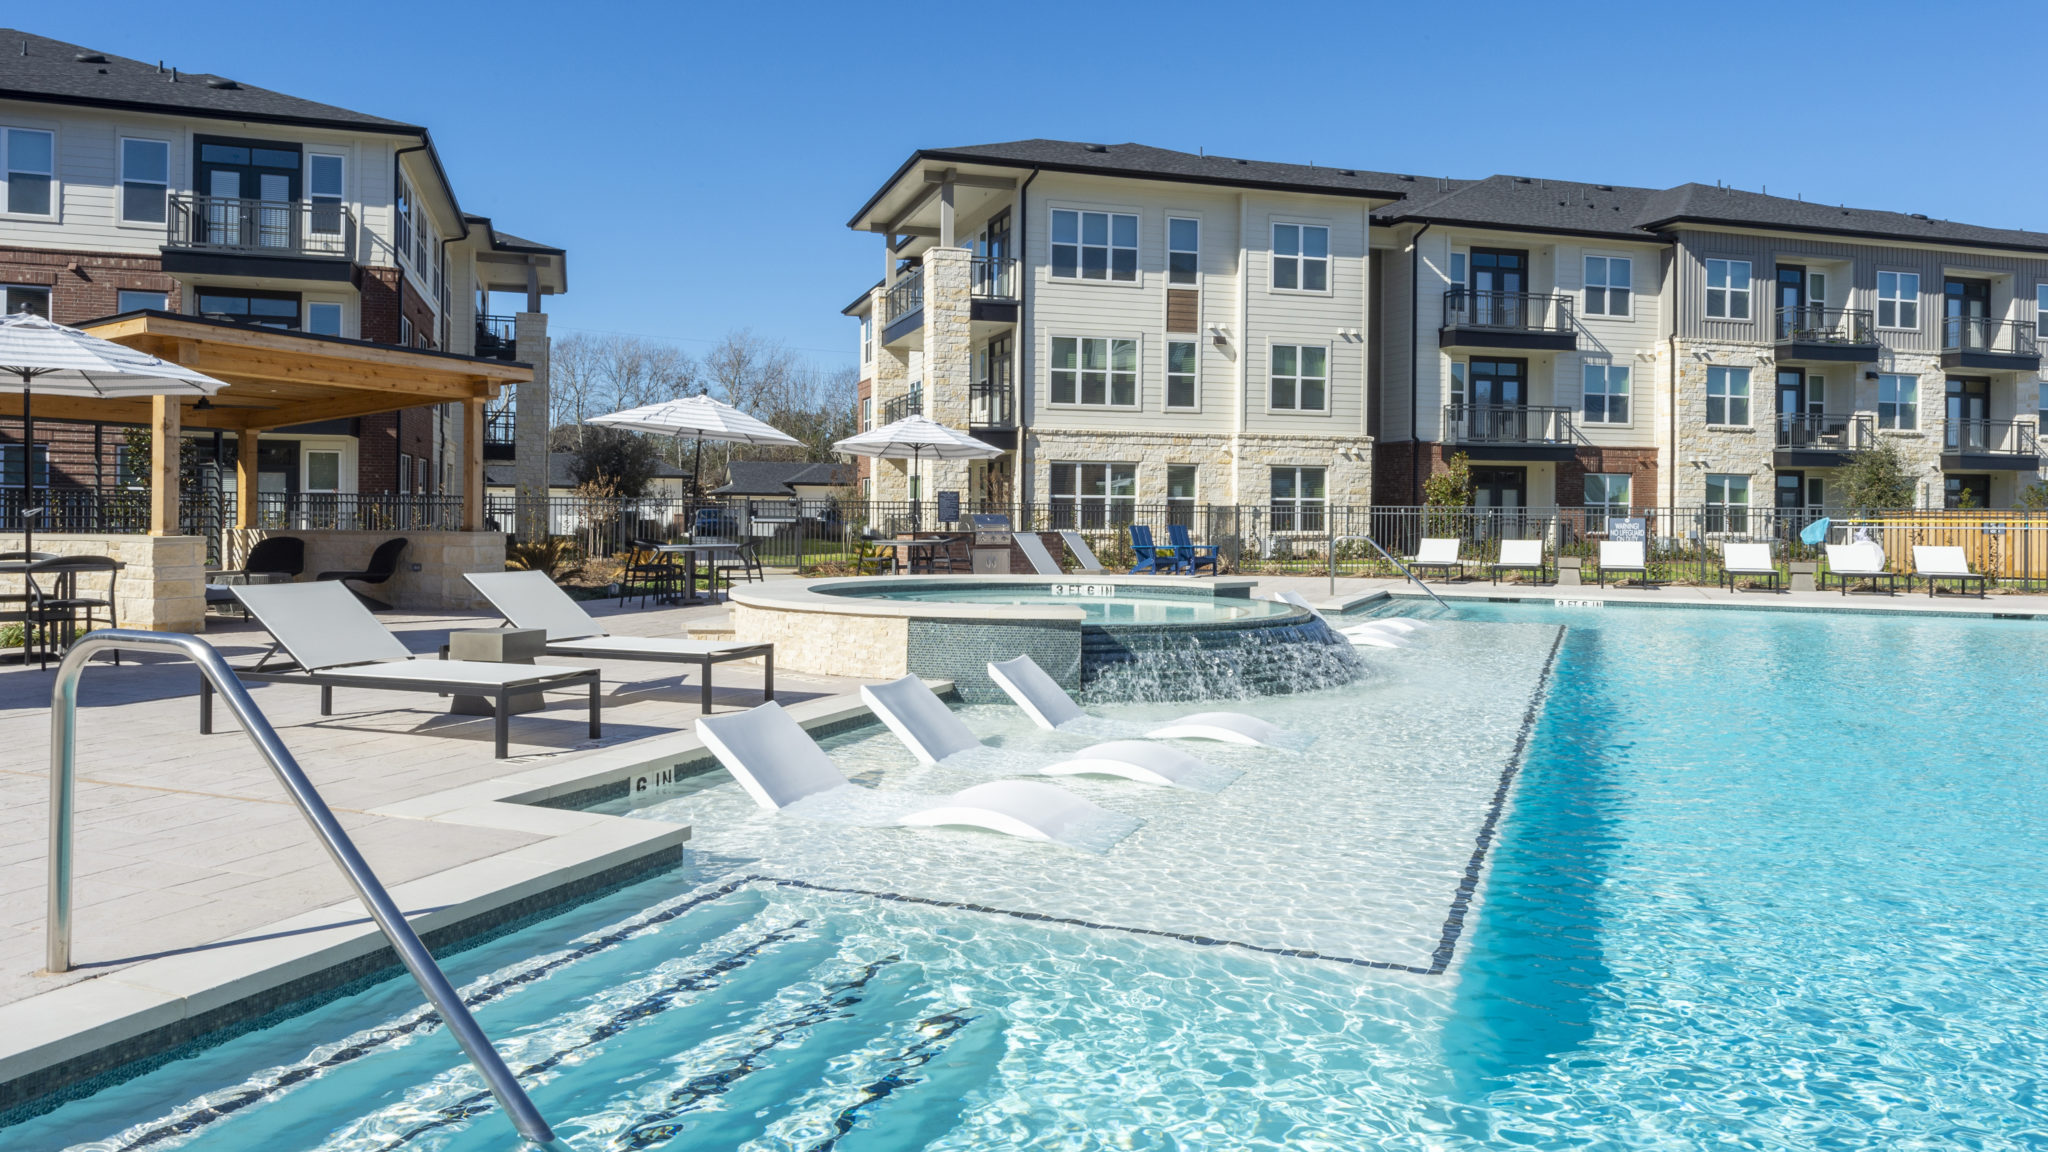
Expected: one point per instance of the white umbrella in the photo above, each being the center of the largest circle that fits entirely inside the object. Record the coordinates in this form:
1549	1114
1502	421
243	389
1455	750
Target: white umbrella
701	418
39	356
913	438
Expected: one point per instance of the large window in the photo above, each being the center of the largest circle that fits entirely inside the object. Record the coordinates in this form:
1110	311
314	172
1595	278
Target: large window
1183	360
1608	289
1728	395
1898	300
1301	378
1298	499
1898	402
128	300
1301	257
1606	394
15	298
324	193
1727	503
1094	370
145	180
11	459
1094	495
1094	245
262	309
1728	289
1183	250
1606	495
31	169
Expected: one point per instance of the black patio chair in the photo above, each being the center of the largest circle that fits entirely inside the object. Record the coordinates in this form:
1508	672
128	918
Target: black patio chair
382	567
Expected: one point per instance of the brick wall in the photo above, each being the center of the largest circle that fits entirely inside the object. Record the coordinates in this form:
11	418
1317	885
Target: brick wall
414	307
380	305
1640	464
85	285
377	453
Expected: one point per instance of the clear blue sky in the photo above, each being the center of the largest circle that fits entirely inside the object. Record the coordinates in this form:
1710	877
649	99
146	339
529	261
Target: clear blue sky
699	161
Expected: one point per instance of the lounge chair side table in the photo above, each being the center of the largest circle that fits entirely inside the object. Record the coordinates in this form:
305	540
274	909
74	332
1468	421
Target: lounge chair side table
496	646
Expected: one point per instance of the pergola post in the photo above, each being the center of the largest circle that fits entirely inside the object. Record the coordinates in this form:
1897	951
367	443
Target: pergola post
473	464
245	478
164	436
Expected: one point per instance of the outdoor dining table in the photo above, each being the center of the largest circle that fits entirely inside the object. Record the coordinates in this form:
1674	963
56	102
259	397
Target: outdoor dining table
63	592
689	552
910	551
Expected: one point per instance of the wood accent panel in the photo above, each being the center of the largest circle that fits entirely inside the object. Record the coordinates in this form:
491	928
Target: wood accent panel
163	465
1183	310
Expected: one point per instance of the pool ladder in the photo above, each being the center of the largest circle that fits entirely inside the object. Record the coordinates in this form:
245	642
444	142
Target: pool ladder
413	954
1336	540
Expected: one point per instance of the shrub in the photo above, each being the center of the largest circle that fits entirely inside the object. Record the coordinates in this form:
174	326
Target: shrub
1876	480
558	556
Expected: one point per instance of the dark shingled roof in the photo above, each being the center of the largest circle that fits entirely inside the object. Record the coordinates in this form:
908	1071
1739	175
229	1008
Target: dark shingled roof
51	73
775	477
503	241
1527	204
1705	204
504	474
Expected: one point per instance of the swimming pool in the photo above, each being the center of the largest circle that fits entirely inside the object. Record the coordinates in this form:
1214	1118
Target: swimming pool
1754	880
1103	603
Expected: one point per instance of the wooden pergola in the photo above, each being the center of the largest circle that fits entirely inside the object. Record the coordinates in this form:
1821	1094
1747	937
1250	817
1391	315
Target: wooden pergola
277	379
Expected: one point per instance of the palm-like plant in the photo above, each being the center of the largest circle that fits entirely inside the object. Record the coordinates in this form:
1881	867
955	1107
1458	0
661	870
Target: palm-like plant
558	556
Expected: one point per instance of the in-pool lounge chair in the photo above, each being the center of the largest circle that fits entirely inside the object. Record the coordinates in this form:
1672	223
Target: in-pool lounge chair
1932	562
1519	556
1083	554
334	642
1035	551
1384	632
932	733
531	600
1193	557
1624	557
1438	554
778	763
1152	558
1752	560
1860	561
1048	704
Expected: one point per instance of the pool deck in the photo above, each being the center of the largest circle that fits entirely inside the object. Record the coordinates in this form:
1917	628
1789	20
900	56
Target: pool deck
1356	592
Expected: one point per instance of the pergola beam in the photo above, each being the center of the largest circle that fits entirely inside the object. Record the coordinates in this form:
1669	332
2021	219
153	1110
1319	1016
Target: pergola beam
336	408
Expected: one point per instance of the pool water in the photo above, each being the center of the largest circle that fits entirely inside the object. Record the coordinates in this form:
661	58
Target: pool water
1103	603
1754	881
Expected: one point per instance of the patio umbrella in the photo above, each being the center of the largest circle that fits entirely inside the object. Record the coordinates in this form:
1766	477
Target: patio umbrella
913	438
701	418
37	355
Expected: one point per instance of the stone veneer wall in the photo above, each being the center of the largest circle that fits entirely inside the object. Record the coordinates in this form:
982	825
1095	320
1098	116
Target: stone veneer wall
1229	469
163	589
442	557
827	643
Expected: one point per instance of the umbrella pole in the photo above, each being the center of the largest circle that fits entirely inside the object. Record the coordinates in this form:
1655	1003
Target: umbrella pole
28	466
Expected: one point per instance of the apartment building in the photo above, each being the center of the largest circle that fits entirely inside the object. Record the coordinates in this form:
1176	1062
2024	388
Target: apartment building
131	186
1147	326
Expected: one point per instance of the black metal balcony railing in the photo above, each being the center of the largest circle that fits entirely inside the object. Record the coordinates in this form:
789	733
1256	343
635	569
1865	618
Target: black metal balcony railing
911	403
1508	424
501	427
1990	437
1812	324
989	406
1983	334
1507	311
496	338
1825	432
268	227
993	278
906	295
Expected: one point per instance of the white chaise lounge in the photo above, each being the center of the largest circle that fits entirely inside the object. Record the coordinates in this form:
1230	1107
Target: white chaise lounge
1623	557
934	733
1519	556
1048	704
1932	562
778	764
1438	554
1389	632
1034	550
1752	560
333	642
1083	555
1859	561
531	600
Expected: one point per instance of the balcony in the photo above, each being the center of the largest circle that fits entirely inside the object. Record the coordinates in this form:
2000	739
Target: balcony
501	429
1990	446
1989	345
291	239
992	290
1514	321
1814	440
1815	335
1510	431
496	338
911	403
903	307
991	414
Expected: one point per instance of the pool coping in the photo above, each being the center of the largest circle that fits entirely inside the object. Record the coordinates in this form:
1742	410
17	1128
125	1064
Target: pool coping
1594	597
806	597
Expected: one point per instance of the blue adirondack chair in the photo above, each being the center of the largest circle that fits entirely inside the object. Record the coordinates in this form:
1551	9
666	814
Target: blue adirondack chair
1190	556
1152	559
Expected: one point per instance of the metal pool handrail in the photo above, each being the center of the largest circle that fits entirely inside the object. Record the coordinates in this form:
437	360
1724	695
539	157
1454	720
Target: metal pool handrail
1336	540
418	961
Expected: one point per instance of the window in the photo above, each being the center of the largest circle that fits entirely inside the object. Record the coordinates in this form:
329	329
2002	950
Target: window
262	309
1180	484
323	471
1090	370
1606	495
402	231
1607	286
1094	245
404	472
2040	306
2041	406
19	299
1898	300
323	319
1298	498
1606	394
867	339
1301	378
132	301
1182	358
1458	383
145	179
405	331
1301	257
1183	250
1727	503
1728	289
1093	495
1898	402
323	192
31	168
867	413
1727	395
11	457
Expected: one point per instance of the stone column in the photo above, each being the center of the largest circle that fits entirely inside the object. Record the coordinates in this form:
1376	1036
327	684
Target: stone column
948	356
892	379
529	426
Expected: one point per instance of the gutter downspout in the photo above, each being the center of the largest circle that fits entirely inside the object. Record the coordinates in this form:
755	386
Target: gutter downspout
1026	342
1671	407
1414	359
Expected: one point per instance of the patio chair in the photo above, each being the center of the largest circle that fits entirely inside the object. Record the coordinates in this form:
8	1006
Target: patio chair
1049	706
382	567
1439	554
1753	560
1035	551
778	764
1083	555
1191	556
1623	557
869	560
648	571
334	642
1520	556
1860	562
1932	562
271	556
1152	559
531	600
933	733
744	560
